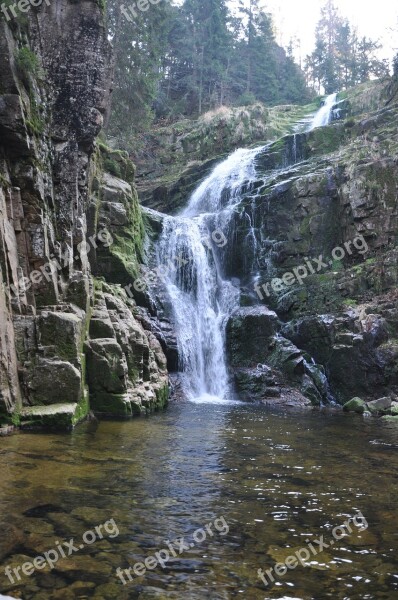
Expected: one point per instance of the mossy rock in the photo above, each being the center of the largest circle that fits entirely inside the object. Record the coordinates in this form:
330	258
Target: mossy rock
117	163
380	406
114	405
356	405
394	409
391	418
62	416
162	397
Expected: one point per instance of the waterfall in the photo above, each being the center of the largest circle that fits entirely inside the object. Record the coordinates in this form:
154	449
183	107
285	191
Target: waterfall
324	114
200	296
192	261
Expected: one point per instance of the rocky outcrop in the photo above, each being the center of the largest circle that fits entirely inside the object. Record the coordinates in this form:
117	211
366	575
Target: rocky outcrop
319	262
61	220
325	251
126	367
266	365
176	157
362	341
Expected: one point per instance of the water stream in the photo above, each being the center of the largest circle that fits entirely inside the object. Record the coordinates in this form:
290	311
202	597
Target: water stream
324	114
201	296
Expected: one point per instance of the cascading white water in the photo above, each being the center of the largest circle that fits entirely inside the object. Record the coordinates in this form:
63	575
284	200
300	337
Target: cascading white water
219	190
324	114
201	298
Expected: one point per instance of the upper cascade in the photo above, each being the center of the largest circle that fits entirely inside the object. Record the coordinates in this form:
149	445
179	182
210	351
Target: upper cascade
224	183
324	114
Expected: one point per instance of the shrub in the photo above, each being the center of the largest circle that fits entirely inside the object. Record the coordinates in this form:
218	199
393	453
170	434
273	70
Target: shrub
28	63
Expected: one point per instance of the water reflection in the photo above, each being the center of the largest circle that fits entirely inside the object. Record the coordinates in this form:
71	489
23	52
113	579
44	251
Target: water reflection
280	480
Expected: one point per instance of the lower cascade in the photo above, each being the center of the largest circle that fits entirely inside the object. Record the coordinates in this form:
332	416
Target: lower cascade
201	296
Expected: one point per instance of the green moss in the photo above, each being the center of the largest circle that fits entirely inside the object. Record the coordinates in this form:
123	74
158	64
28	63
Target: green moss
365	97
305	226
35	121
350	302
28	65
162	397
325	140
355	405
116	162
9	418
114	405
59	417
21	20
112	167
83	408
4	183
337	266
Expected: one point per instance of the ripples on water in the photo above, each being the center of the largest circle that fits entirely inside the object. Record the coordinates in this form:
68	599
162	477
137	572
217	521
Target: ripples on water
278	478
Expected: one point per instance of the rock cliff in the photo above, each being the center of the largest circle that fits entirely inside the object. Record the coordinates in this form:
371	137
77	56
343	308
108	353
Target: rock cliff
71	235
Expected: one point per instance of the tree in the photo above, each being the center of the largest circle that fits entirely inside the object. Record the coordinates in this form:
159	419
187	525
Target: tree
185	59
200	44
139	41
262	70
340	59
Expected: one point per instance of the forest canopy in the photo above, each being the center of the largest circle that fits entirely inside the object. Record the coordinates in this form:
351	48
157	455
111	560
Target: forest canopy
174	61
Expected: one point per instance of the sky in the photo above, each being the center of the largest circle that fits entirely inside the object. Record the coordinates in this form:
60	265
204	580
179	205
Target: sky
299	17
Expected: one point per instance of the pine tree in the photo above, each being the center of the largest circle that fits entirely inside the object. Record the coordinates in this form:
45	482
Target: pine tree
139	40
185	59
200	44
340	59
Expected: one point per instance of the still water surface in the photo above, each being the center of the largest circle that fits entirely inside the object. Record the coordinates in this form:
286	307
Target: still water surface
278	479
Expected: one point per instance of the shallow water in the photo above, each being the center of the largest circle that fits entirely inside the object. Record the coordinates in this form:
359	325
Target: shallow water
277	478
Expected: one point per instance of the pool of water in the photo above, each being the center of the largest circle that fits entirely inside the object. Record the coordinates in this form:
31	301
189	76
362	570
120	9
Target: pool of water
266	483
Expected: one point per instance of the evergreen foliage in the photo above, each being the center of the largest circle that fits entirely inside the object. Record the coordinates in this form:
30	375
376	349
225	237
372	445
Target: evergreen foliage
342	58
175	61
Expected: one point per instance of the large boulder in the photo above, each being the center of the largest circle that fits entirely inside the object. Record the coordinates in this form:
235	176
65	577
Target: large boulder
250	332
55	381
355	405
259	356
127	370
380	406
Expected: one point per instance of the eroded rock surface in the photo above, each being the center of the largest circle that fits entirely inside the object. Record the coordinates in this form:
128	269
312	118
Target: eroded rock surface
56	202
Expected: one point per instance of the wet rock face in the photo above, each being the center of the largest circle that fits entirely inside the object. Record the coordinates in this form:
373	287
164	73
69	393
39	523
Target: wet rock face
325	251
54	203
266	365
358	348
249	333
47	137
126	367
